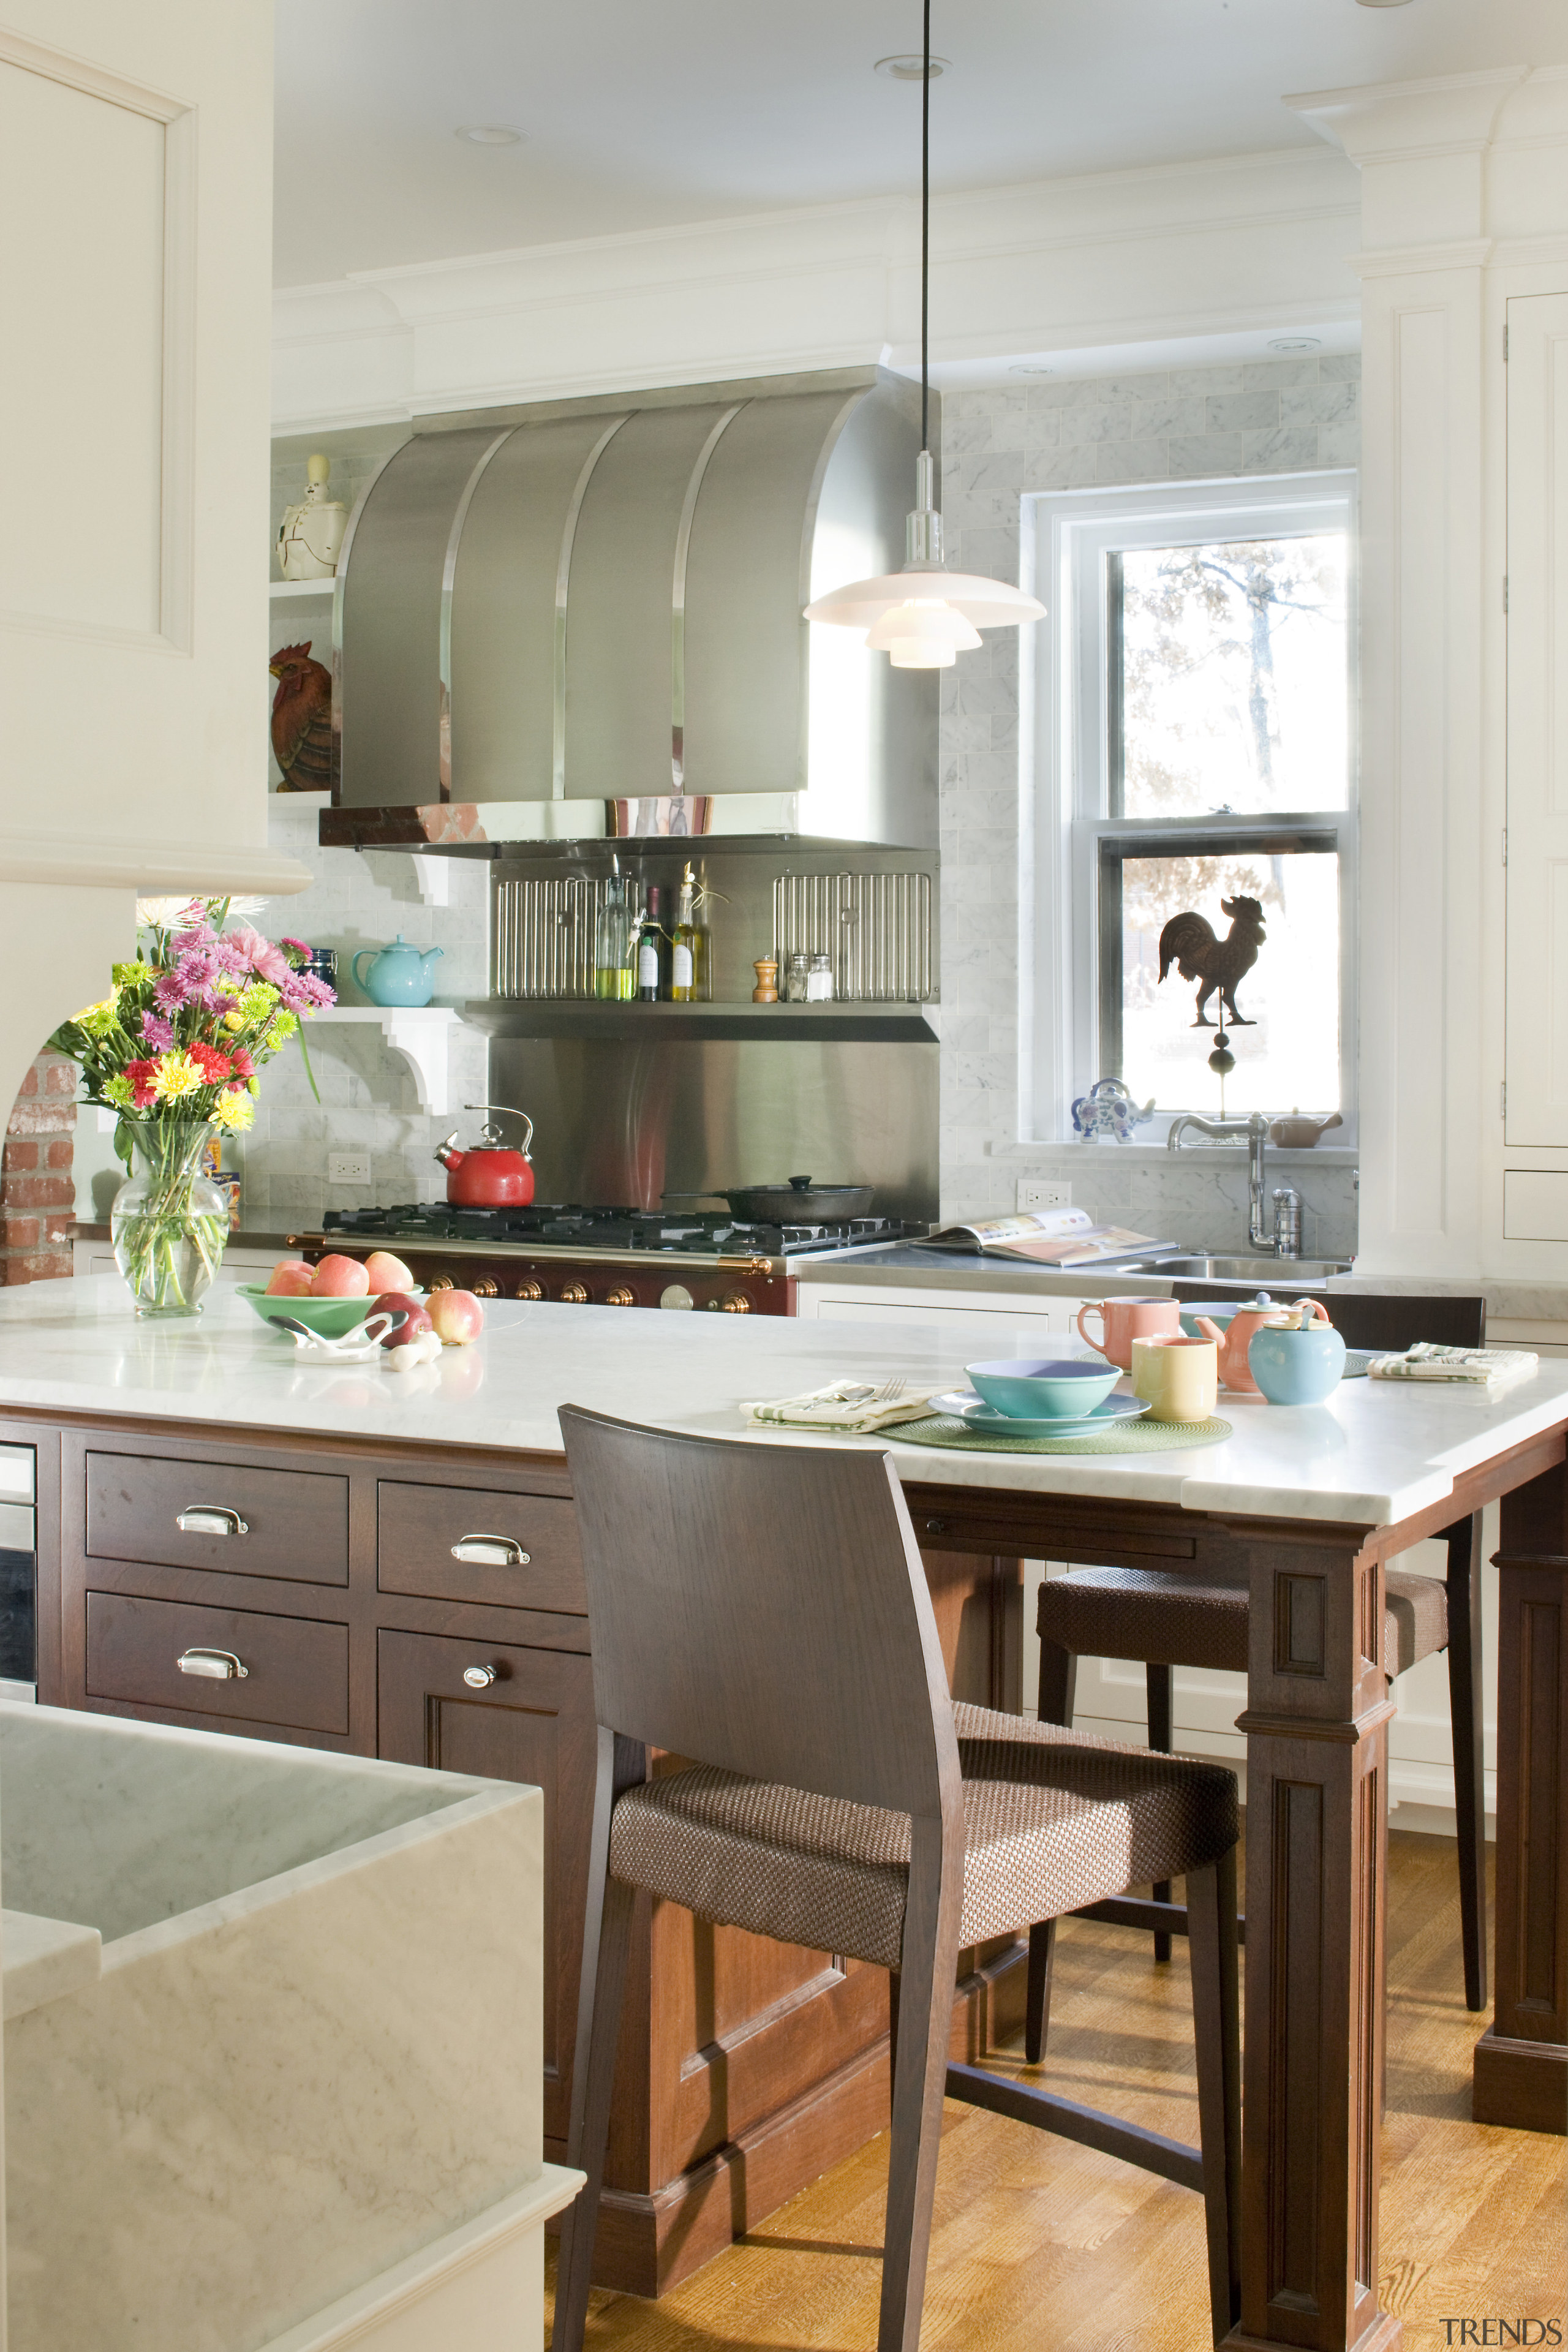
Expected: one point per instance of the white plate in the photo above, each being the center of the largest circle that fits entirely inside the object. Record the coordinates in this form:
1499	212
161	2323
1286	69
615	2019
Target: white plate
976	1413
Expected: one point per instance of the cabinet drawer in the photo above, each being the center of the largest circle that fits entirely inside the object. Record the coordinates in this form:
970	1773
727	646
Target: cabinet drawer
419	1529
296	1669
292	1524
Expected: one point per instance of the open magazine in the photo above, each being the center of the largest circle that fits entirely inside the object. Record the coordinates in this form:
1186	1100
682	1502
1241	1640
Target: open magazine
1047	1237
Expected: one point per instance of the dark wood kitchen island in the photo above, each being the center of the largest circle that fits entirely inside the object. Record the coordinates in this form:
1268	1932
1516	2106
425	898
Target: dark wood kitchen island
394	1563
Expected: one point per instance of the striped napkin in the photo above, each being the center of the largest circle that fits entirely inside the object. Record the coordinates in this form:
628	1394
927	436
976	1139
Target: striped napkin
846	1405
1488	1368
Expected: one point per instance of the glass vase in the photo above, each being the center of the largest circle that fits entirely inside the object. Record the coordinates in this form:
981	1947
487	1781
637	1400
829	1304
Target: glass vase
169	1223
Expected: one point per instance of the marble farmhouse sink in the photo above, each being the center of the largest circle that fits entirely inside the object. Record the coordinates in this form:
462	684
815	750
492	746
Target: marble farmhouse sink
271	2048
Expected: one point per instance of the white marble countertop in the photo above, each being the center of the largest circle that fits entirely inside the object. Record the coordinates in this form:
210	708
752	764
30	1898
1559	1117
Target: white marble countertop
1375	1452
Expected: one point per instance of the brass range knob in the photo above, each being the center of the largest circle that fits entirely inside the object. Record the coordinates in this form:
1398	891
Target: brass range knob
573	1295
442	1282
735	1302
485	1288
528	1290
620	1296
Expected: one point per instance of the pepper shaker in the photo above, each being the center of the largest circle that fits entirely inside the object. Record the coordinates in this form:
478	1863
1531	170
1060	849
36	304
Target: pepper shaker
767	972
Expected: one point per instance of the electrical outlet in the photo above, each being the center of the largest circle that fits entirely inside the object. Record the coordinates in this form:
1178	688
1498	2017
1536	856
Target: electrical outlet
348	1167
1043	1196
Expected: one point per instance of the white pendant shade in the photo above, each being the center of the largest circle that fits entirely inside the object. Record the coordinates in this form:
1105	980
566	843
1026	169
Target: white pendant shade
983	603
922	634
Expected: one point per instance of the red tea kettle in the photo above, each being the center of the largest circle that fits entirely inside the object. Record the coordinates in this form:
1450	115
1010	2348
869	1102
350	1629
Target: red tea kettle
490	1174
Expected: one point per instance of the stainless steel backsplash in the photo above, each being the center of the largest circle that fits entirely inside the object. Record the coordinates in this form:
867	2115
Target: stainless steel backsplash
625	1122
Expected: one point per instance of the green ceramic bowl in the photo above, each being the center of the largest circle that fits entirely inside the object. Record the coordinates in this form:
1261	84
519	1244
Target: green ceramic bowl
330	1319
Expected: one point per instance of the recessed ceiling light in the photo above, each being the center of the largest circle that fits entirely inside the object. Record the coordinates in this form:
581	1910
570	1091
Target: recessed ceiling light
1383	3
491	134
1028	367
1309	343
912	69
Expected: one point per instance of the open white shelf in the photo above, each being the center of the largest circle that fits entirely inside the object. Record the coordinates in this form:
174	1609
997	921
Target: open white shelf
421	1033
300	587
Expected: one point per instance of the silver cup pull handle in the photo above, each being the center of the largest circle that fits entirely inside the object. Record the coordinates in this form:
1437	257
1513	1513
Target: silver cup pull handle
218	1665
490	1552
211	1519
479	1677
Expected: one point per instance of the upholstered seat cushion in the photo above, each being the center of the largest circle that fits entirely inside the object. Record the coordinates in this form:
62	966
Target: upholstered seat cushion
1053	1819
1177	1621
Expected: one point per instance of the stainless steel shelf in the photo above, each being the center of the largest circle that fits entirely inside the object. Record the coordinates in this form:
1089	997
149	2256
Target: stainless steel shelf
883	1024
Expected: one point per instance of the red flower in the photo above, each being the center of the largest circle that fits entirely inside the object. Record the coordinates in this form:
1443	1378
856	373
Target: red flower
215	1067
244	1067
143	1082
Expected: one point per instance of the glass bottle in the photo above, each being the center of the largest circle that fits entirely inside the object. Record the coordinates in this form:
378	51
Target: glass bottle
701	948
797	974
651	980
682	955
612	942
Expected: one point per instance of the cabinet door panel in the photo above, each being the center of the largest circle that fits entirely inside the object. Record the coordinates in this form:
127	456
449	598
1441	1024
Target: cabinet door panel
535	1723
283	1523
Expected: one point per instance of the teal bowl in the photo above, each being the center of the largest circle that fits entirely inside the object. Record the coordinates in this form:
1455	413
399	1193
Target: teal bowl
1070	1386
1297	1367
330	1319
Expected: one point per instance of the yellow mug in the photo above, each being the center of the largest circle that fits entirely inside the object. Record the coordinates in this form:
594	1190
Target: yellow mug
1178	1379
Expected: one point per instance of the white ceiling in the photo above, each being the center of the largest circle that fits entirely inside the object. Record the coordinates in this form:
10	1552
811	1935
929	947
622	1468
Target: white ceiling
638	115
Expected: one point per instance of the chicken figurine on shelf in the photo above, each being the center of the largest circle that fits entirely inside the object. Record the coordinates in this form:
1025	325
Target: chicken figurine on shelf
303	742
1188	941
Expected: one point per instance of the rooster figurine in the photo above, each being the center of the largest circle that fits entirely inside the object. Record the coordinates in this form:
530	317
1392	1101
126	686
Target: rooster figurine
303	740
1189	942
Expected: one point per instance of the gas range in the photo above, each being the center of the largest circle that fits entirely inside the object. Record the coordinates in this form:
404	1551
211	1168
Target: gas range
599	1257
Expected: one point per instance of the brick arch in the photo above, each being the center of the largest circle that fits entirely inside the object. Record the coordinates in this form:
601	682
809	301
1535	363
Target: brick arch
37	1192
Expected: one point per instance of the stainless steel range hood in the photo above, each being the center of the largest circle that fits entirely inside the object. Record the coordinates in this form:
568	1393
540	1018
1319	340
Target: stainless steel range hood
541	610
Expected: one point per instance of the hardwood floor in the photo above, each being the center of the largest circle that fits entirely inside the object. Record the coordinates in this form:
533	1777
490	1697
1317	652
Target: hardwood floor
1039	2244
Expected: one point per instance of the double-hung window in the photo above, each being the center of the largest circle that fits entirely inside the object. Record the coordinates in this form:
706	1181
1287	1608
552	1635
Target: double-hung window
1194	811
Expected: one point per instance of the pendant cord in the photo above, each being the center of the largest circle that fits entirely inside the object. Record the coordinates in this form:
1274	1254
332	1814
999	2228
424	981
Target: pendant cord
925	238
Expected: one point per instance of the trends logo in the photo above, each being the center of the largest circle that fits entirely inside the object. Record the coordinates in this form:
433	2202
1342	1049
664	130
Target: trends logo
1502	2331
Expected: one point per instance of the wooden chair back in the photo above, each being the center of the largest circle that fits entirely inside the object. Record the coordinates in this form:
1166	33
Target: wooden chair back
763	1608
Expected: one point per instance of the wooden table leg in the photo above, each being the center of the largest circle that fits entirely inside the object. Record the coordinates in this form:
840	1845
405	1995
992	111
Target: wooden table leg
1316	1725
1521	2067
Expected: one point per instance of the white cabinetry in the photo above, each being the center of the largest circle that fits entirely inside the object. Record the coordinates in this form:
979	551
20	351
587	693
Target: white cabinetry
981	1313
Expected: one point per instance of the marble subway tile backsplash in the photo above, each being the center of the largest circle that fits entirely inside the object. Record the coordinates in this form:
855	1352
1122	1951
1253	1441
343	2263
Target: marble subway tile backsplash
1177	425
368	1099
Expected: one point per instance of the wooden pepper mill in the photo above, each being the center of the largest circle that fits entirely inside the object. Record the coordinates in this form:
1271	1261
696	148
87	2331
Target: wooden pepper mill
766	990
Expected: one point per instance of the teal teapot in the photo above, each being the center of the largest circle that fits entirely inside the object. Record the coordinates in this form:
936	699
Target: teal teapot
401	973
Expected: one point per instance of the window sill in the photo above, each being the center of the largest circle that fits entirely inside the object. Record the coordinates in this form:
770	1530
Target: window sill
1334	1155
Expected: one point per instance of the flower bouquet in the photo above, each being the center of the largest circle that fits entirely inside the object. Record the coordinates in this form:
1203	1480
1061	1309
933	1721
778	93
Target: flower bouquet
176	1047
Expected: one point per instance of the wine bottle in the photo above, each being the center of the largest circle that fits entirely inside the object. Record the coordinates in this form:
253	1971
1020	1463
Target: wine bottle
682	945
650	952
612	942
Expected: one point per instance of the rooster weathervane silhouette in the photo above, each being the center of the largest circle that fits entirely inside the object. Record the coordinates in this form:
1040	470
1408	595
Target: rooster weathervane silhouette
1188	941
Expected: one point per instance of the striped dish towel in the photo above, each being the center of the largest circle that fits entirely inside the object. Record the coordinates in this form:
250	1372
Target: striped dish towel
1488	1368
844	1405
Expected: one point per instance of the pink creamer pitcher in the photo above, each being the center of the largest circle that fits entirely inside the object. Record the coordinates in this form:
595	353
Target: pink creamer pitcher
1123	1320
1235	1338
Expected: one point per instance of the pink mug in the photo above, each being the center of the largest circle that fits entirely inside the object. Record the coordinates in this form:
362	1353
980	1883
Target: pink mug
1123	1320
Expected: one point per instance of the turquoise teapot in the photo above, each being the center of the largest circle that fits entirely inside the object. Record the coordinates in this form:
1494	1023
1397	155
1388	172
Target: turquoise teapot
401	974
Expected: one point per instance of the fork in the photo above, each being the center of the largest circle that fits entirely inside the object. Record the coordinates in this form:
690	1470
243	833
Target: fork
891	1391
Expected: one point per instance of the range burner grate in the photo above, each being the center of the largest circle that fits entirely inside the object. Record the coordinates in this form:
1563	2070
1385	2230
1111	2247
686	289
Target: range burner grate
572	1226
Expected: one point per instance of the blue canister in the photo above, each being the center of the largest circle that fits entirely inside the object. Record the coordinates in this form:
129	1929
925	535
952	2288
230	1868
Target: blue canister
1297	1367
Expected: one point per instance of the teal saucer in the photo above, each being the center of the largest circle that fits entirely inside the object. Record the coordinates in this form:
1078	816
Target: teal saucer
976	1415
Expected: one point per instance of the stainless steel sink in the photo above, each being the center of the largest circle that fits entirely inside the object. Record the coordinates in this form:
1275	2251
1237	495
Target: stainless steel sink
1269	1273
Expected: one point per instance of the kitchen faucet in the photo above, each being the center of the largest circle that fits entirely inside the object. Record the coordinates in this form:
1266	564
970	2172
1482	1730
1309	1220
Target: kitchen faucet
1284	1239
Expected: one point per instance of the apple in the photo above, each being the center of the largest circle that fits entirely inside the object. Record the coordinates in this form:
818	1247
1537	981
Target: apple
387	1273
456	1316
395	1302
291	1278
339	1277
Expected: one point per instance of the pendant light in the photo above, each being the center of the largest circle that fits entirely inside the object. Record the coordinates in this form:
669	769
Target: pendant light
924	617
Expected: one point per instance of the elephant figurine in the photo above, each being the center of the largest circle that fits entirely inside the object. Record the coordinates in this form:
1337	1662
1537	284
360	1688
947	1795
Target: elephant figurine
1109	1109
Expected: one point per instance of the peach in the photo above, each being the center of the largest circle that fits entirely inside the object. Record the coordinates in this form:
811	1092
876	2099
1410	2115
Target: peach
387	1273
339	1277
291	1278
456	1316
394	1302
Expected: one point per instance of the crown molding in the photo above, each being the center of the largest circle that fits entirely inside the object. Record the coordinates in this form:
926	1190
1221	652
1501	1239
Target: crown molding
1201	247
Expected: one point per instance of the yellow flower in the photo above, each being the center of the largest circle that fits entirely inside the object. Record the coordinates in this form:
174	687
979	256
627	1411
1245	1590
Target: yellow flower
99	1019
176	1076
234	1020
234	1111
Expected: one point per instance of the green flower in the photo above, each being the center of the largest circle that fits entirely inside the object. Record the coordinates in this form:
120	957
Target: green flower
257	1001
139	974
97	1020
119	1090
229	983
283	1027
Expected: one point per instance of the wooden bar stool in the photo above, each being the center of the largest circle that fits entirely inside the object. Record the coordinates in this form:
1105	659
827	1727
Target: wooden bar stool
1167	1620
764	1608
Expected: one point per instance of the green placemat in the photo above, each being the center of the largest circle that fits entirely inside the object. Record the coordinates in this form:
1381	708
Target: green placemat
1126	1437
